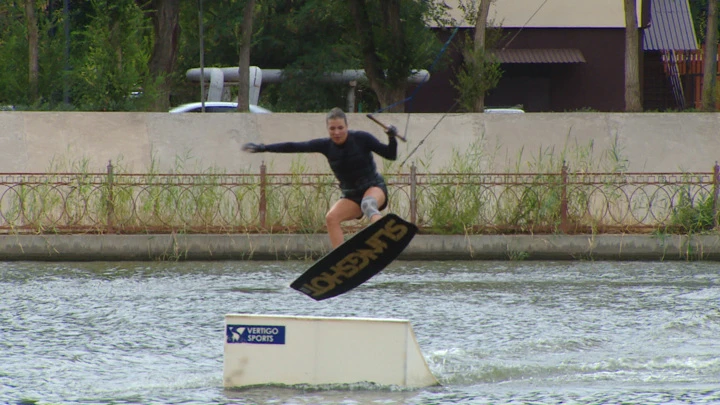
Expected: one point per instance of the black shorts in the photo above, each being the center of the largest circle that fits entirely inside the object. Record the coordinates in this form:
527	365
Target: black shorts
357	198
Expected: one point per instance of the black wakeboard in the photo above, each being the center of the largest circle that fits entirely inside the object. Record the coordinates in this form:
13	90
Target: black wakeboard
357	259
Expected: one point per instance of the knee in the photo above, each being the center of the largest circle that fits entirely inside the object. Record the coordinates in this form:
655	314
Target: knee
369	206
331	219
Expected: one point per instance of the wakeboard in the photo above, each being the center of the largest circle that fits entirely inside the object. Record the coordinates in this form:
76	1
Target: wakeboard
357	259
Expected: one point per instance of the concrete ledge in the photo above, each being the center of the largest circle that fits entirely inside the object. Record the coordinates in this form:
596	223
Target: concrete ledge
321	351
311	247
564	247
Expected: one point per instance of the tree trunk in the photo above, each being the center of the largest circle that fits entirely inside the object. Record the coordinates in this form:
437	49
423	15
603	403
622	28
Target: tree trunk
709	97
244	63
33	50
479	44
387	93
393	88
165	16
392	23
387	96
633	96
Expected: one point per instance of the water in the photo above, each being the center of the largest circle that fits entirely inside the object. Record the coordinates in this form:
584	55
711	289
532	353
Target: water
491	332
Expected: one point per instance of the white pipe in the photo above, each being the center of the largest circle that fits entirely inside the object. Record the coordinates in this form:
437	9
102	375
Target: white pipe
259	76
218	77
232	74
348	75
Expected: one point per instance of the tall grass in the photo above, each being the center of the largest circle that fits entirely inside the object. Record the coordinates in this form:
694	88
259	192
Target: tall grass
693	211
526	196
305	199
452	203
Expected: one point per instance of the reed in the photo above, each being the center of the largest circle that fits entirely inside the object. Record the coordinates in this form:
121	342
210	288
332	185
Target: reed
692	209
307	201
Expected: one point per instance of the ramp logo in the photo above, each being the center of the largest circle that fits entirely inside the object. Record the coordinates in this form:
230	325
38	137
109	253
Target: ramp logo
255	334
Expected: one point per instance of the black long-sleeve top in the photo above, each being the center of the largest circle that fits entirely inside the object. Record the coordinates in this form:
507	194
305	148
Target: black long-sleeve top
352	162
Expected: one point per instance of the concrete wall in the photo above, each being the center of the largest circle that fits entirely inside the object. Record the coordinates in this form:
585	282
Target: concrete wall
654	142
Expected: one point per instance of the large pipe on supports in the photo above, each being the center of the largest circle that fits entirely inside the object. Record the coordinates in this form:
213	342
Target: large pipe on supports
346	76
219	76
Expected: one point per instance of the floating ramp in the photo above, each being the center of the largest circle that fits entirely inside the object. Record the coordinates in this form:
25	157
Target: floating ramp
292	350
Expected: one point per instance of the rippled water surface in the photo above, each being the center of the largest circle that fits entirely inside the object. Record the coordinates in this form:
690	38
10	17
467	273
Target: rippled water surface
491	332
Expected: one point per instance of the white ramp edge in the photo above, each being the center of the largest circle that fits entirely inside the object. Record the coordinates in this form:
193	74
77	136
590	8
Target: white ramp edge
299	350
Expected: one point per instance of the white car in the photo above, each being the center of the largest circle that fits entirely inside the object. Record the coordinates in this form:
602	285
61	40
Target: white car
511	110
216	107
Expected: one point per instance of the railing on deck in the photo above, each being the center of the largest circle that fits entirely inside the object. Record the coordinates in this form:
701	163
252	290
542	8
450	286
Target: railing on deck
568	202
685	68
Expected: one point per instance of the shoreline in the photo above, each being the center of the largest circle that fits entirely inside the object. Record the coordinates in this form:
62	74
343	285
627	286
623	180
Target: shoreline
203	247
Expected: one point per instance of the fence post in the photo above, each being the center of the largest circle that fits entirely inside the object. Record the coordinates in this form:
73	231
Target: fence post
110	203
21	197
263	195
716	193
413	195
564	225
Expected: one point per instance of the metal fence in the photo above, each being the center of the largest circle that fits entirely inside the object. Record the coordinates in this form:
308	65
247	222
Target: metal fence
568	202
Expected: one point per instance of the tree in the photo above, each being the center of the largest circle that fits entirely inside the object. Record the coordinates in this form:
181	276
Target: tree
165	17
480	71
633	95
380	81
33	38
710	59
112	61
308	39
244	63
479	44
393	40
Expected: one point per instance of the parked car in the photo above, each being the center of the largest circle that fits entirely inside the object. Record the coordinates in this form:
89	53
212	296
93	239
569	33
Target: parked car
512	110
216	107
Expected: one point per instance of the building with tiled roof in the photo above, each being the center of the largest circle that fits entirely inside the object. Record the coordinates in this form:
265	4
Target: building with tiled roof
673	62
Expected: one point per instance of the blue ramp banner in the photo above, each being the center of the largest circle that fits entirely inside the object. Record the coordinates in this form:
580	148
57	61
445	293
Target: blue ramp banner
255	334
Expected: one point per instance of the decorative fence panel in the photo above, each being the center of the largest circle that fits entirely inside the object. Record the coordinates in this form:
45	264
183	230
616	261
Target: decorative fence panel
565	202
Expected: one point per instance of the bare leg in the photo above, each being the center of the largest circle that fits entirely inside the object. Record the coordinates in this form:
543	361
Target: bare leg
343	210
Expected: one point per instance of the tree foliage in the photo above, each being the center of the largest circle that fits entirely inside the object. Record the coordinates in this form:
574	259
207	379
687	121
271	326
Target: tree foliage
115	63
479	73
699	12
107	59
306	39
119	56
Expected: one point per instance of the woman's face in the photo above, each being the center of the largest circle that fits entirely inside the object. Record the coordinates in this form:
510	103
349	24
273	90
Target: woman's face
337	129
